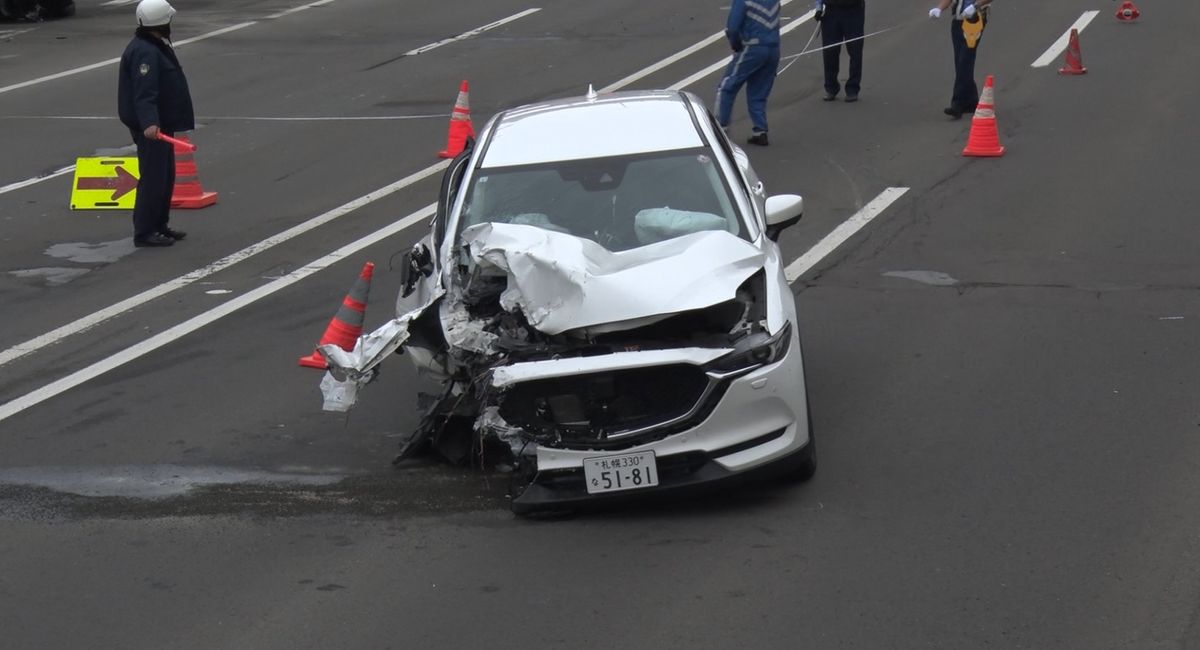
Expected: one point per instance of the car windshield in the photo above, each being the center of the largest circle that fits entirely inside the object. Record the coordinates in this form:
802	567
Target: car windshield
620	202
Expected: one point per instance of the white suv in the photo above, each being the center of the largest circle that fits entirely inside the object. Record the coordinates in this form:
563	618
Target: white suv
603	298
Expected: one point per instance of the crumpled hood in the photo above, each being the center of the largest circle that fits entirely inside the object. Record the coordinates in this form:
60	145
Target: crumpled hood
562	282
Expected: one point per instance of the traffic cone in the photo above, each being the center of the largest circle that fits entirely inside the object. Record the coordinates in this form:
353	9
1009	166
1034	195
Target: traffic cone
347	323
187	192
460	124
1128	12
985	137
1074	62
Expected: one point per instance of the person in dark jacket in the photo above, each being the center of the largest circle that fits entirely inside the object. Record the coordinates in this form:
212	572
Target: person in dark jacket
153	99
966	30
753	33
842	21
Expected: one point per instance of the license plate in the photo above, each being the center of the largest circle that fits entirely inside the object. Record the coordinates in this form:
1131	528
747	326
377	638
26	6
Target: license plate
620	472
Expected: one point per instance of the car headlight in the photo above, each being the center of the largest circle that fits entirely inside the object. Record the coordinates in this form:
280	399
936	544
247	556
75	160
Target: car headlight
754	351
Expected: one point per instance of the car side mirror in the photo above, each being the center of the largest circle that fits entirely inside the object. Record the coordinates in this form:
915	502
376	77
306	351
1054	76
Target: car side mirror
416	264
783	210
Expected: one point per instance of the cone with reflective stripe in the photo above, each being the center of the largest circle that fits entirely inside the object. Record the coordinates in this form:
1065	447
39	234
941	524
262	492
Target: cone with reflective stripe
1074	62
347	323
460	124
187	192
1128	12
985	136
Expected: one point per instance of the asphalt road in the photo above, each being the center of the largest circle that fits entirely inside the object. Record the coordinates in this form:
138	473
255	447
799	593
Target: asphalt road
1001	365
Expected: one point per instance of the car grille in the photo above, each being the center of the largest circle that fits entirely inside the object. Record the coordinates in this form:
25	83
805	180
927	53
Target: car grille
613	410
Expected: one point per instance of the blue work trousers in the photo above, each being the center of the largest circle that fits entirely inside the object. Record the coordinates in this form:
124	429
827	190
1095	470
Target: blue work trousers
840	24
756	67
966	93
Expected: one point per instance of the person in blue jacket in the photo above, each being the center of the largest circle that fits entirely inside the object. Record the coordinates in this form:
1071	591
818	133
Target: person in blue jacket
753	33
153	99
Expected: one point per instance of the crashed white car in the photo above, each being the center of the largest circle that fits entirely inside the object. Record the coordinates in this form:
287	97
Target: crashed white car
604	301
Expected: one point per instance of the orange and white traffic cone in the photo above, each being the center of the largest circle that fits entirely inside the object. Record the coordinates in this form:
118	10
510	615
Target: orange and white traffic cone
1074	62
187	192
460	124
984	140
347	323
1128	12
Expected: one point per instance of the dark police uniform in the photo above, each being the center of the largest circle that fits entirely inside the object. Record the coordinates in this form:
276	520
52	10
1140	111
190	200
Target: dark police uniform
153	91
966	93
843	20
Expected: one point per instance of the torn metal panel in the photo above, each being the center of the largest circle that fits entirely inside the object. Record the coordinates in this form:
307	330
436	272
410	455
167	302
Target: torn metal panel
350	370
562	282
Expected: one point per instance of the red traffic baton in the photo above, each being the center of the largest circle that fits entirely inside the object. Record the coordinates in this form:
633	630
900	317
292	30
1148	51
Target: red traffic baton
186	146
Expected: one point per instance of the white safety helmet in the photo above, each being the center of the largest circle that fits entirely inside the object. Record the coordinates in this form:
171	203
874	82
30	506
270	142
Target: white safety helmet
154	13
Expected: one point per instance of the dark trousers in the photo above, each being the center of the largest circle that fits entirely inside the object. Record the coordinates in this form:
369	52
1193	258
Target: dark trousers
842	24
152	207
966	93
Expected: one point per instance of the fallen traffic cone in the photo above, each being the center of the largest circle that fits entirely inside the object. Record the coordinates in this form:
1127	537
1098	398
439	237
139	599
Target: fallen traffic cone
985	137
1128	11
1074	62
347	323
460	124
187	192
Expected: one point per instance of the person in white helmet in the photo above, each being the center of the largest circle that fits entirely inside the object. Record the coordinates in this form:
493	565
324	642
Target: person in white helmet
153	99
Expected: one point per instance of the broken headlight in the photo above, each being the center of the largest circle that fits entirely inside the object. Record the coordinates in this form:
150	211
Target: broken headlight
755	350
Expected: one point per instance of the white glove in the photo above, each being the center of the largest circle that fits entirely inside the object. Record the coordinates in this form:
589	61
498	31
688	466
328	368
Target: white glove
969	12
935	13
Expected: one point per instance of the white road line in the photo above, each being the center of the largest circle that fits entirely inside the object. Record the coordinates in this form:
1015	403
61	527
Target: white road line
649	70
94	319
474	32
725	62
228	118
36	179
117	3
1057	48
9	409
157	341
186	41
843	232
107	62
293	10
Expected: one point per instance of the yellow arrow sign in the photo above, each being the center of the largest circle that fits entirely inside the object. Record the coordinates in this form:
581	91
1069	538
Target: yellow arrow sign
104	184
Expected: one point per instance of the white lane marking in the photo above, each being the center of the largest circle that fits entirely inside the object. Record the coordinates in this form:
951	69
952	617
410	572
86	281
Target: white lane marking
117	3
36	179
9	409
1057	48
293	10
234	118
10	33
474	32
107	62
186	41
651	69
98	317
157	341
94	319
843	232
725	62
